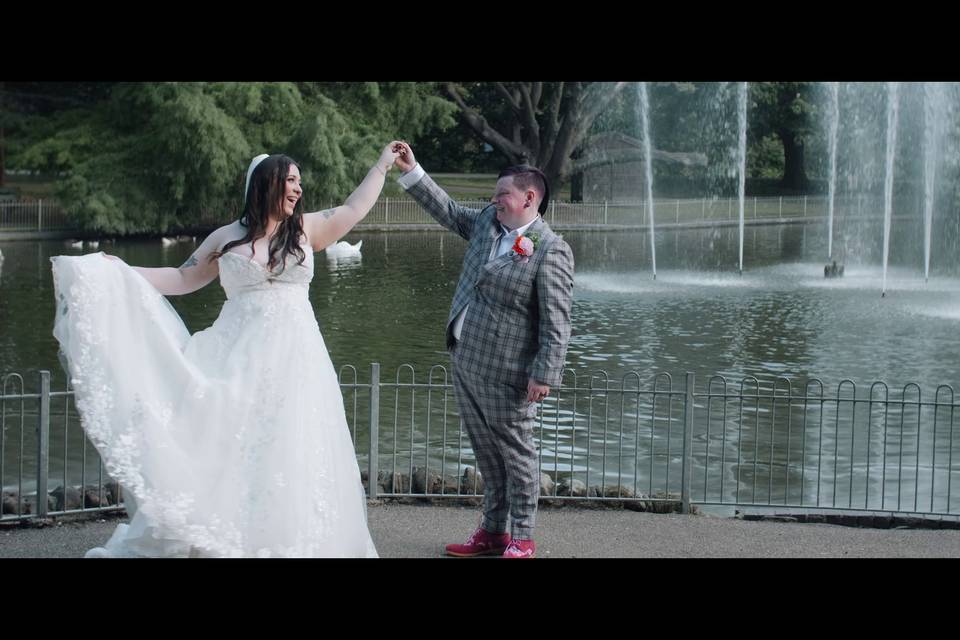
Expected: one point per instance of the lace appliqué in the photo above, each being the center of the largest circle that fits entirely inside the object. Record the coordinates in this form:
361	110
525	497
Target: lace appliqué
270	416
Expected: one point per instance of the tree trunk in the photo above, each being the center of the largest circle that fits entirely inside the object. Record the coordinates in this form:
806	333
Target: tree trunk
794	172
576	187
548	143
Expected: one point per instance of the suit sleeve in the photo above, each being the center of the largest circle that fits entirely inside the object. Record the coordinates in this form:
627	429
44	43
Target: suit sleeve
443	208
555	299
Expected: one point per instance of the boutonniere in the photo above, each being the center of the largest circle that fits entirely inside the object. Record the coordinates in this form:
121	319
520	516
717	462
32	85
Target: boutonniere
524	246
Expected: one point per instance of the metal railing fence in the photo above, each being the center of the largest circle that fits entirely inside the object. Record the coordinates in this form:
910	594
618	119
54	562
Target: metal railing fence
644	438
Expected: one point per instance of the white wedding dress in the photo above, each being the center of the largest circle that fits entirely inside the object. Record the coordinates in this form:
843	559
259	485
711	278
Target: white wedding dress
233	441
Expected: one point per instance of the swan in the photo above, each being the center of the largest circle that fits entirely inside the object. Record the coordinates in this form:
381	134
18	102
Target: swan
343	249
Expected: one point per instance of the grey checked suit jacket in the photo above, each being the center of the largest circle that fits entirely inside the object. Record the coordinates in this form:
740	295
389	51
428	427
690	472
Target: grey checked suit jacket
518	323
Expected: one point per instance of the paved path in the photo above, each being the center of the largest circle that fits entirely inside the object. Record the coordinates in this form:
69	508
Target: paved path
419	531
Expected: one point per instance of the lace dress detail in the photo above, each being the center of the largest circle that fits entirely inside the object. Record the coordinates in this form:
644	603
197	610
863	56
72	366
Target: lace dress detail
231	442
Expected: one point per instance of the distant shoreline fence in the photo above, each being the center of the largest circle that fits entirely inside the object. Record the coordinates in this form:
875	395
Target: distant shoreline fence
395	213
729	443
34	215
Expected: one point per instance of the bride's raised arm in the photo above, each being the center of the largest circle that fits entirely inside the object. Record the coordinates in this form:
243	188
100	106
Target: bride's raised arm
323	228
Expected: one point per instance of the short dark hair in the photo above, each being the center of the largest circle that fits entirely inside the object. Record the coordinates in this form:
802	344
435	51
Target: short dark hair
527	177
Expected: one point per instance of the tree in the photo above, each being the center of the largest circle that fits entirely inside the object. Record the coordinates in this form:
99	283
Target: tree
534	123
784	109
545	124
21	102
152	157
347	124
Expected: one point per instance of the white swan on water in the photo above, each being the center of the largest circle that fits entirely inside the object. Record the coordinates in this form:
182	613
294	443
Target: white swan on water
343	249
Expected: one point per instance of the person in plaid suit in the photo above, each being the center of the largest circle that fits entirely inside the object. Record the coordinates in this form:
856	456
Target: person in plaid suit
507	333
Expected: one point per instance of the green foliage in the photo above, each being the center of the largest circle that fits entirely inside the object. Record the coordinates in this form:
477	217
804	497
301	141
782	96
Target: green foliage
765	158
783	106
157	157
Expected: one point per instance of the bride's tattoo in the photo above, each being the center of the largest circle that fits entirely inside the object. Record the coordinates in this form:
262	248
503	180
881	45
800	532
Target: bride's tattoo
191	262
328	213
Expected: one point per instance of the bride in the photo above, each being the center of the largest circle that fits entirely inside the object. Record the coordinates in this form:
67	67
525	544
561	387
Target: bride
231	442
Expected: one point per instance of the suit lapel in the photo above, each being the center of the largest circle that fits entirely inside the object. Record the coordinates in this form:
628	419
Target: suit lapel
495	265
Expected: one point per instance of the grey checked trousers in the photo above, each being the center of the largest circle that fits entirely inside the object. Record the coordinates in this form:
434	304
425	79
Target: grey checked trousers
499	422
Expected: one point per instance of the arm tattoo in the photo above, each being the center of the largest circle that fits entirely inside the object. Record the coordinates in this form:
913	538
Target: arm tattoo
191	262
328	213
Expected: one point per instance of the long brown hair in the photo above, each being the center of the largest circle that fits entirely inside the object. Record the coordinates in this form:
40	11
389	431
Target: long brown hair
265	196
